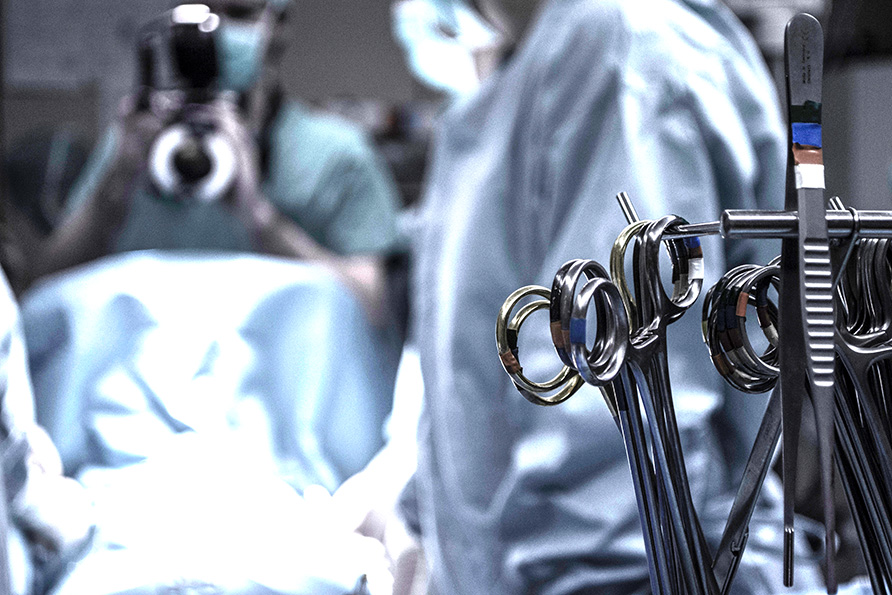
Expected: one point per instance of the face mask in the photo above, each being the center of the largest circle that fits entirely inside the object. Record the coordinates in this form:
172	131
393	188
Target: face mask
279	5
440	38
241	48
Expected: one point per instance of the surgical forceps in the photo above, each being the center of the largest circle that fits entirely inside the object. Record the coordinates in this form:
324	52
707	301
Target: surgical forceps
863	344
807	310
605	366
672	530
607	369
613	335
862	340
651	311
687	267
724	332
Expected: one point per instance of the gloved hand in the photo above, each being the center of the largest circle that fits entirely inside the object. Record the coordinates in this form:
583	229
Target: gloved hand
335	523
136	128
367	504
54	509
245	198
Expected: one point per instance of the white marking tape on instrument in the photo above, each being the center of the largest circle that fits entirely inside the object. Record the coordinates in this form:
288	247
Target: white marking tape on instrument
809	175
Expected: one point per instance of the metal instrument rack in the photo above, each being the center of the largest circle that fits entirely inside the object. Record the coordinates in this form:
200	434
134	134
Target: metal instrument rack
819	352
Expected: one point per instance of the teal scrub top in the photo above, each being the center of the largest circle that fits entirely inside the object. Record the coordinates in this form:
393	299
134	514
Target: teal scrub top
323	174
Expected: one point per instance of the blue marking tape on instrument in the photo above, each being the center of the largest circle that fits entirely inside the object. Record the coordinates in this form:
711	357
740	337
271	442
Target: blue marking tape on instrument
577	330
807	134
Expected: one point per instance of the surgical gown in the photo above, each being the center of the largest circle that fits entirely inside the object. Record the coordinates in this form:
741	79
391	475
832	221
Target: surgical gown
199	398
46	519
16	414
669	101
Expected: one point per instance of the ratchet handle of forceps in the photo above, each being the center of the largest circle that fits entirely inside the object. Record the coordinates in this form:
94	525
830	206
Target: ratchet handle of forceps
552	392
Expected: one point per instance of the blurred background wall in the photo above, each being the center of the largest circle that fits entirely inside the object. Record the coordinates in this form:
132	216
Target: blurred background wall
71	60
68	62
857	83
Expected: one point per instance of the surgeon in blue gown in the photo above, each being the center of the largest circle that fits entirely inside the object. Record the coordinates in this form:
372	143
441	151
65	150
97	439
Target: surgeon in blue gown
668	100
